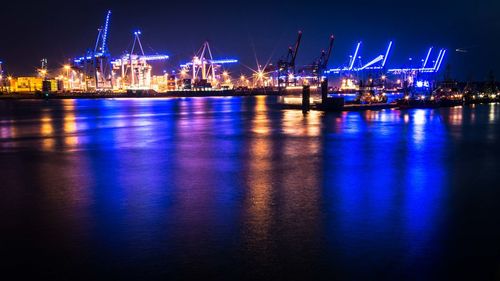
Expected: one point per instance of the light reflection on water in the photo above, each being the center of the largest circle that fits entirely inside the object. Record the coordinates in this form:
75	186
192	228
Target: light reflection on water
188	186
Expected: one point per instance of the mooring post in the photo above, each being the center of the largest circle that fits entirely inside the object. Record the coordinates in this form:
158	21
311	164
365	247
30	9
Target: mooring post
306	94
324	90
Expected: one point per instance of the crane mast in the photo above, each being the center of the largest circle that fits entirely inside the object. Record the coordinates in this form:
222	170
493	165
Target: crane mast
104	46
322	62
286	67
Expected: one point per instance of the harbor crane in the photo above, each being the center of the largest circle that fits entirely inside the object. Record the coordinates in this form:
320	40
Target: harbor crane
425	68
321	63
420	77
286	65
205	69
96	64
378	63
134	66
102	57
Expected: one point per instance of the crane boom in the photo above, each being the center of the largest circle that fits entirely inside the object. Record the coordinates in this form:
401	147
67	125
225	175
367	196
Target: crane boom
427	58
328	54
296	49
351	66
104	46
387	54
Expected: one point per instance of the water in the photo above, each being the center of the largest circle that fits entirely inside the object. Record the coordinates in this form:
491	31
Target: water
233	188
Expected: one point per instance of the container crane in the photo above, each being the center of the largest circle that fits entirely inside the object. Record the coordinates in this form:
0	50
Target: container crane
102	57
134	66
96	64
321	63
425	68
205	69
286	66
378	63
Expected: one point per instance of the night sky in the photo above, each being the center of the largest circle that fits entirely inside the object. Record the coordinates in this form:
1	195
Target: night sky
237	29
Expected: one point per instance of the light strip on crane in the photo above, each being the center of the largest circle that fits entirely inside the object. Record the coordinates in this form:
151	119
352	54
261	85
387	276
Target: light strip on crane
440	61
155	57
374	61
355	55
105	35
224	61
387	53
437	60
427	57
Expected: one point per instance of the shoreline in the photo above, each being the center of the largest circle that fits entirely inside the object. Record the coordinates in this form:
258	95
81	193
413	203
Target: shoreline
173	94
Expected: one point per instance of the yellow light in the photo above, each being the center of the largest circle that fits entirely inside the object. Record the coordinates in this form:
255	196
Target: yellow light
383	77
67	67
242	77
225	73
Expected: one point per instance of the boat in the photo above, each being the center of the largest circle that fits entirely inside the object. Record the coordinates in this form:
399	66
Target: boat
448	94
421	102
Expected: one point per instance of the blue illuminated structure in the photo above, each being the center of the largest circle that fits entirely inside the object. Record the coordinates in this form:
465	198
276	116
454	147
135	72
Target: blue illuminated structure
378	63
427	58
424	68
218	61
353	59
104	38
96	63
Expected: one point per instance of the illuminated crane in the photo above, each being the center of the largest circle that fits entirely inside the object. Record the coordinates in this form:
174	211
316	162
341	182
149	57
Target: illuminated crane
421	77
378	63
425	68
96	64
286	65
134	67
205	69
374	64
321	63
102	57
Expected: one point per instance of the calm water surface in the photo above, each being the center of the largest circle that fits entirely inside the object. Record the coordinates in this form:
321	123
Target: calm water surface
233	188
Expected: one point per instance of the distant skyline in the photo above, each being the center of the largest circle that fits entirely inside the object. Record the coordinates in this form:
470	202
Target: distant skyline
264	29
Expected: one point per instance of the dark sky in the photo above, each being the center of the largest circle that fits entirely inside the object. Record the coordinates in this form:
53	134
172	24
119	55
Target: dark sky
62	29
